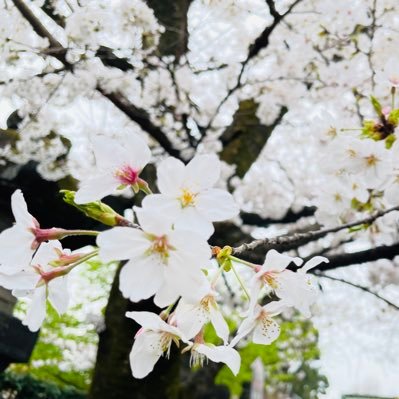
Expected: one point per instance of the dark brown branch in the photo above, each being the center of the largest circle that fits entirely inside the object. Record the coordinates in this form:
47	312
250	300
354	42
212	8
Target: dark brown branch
360	287
137	115
287	242
41	30
355	258
253	219
141	117
262	41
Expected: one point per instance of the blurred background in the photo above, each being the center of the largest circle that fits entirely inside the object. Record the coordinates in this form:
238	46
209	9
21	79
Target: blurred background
264	84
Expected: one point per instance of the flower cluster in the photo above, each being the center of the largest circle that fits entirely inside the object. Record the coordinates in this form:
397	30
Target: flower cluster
165	256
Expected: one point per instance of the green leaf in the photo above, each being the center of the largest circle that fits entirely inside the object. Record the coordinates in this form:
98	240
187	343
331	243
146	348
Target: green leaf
376	105
389	141
394	117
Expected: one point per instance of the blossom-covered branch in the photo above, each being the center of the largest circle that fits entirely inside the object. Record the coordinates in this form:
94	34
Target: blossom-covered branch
288	242
137	115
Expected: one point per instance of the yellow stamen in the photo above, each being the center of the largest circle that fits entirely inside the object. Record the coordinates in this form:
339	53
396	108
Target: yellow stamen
187	198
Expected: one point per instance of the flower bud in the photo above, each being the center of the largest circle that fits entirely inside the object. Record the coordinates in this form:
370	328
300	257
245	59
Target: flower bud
96	210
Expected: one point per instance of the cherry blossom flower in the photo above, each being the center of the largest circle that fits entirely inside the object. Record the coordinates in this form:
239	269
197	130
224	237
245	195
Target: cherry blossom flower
39	281
152	341
260	322
191	317
294	288
187	194
218	354
161	261
118	165
366	159
18	243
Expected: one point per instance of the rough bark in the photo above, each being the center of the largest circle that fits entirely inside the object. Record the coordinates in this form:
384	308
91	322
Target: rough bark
173	16
245	138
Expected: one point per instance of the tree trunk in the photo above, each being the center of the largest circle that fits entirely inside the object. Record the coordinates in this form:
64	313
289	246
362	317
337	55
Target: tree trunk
112	377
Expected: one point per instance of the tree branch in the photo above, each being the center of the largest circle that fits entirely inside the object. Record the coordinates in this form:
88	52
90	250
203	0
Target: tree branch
253	219
360	287
296	240
262	41
356	258
41	30
141	117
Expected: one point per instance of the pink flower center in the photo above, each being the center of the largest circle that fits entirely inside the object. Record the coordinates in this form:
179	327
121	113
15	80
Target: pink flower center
126	175
394	81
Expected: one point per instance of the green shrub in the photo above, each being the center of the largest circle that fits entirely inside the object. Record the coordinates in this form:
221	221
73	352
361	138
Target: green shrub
22	386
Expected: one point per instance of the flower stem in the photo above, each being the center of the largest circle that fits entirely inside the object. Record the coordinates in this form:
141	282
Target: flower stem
216	277
165	313
244	262
81	260
240	282
67	233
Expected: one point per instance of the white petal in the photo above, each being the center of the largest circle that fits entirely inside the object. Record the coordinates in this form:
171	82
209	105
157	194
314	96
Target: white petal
163	204
141	278
184	281
25	280
15	249
142	357
46	253
245	328
154	221
170	174
20	210
166	295
37	310
256	286
266	331
310	264
58	294
276	307
190	245
121	243
216	205
147	320
278	262
190	319
203	171
225	354
108	152
96	188
138	152
297	290
190	219
220	325
23	293
158	208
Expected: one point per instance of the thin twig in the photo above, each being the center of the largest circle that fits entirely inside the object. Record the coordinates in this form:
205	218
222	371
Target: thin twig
299	239
360	287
